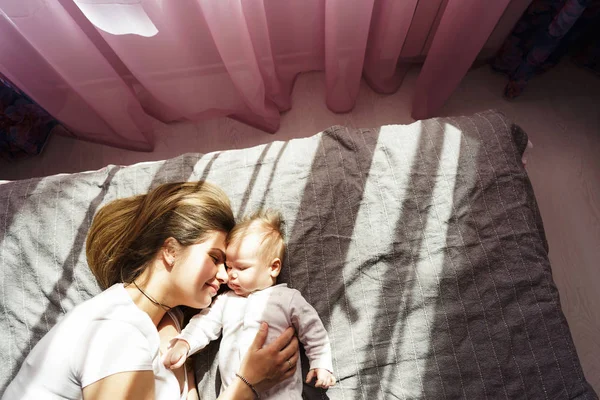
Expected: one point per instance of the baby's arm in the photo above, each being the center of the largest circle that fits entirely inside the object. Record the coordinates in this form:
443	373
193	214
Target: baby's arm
325	378
177	354
313	336
199	332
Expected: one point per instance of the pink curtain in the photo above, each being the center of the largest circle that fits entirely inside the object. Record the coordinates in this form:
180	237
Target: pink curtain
105	67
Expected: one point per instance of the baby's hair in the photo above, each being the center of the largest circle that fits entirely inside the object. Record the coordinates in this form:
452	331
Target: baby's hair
269	223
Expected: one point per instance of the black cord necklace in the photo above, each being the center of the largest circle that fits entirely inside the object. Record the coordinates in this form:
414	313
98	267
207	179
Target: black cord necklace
164	307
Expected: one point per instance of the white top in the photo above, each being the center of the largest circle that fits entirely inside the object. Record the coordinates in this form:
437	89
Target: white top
105	335
240	317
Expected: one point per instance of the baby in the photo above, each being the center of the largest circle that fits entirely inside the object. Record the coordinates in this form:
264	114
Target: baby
255	250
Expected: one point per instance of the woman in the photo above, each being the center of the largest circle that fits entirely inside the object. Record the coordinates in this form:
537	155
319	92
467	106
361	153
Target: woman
150	253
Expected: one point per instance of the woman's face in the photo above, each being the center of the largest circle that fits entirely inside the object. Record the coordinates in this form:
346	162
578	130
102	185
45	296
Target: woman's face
200	270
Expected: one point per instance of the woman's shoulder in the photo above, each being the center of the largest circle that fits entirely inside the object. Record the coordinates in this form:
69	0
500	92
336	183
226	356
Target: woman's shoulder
110	302
112	307
176	315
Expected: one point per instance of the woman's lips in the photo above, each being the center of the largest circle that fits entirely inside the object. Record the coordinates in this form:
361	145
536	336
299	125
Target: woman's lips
215	288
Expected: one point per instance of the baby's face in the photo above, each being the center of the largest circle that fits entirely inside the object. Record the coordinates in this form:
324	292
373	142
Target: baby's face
247	271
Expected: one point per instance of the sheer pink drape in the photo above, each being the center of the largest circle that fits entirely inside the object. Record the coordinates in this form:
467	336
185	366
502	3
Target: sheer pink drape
103	67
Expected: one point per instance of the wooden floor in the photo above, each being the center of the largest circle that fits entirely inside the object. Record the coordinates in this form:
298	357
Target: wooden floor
559	110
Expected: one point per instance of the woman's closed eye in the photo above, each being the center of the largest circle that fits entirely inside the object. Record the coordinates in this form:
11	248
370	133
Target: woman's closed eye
217	255
217	259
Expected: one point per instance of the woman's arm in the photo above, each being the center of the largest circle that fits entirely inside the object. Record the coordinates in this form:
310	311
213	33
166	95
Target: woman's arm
238	390
192	389
113	360
135	385
264	367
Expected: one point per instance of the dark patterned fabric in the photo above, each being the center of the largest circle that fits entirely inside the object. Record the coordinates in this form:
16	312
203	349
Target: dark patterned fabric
420	246
547	31
24	125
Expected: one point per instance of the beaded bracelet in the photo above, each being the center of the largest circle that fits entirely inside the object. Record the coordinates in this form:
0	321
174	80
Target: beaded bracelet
249	385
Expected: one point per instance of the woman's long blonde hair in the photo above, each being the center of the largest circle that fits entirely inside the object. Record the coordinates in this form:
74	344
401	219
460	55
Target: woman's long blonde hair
127	233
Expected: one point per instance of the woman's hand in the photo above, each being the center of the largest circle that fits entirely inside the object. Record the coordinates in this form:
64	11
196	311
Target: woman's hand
264	367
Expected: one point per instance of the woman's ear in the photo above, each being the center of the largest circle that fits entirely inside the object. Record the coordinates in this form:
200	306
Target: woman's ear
169	251
275	268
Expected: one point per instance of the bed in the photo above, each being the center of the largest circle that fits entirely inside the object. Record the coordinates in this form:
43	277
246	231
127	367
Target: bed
421	247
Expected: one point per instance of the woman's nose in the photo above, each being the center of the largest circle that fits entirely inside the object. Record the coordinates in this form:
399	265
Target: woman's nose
222	275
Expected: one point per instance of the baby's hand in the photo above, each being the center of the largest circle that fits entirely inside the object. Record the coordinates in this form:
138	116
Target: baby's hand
325	378
176	355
